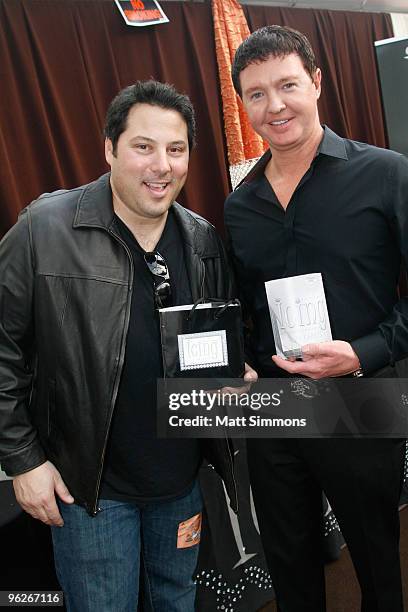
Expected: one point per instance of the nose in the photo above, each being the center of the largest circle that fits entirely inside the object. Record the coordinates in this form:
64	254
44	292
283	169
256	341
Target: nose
275	104
161	163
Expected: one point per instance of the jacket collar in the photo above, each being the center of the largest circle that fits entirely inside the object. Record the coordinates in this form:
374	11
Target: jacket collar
94	209
194	231
331	145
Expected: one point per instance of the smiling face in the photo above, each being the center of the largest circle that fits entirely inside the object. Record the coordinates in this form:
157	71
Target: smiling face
280	98
150	164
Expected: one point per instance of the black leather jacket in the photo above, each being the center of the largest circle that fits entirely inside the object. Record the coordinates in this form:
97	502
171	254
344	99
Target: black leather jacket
65	294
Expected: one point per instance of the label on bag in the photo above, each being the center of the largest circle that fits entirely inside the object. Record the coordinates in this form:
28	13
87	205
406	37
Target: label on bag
203	350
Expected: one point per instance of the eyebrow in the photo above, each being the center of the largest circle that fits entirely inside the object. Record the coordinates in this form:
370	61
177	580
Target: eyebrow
282	80
147	139
178	142
293	77
141	137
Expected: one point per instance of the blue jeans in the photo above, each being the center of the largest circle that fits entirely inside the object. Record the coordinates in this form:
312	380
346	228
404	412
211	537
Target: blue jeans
97	559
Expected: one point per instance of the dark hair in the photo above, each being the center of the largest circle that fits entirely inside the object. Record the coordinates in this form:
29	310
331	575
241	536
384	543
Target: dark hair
147	92
274	40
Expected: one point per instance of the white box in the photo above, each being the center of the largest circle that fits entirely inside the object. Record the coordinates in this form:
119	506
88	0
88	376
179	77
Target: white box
298	310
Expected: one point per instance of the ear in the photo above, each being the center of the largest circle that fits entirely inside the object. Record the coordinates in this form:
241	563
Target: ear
108	151
317	82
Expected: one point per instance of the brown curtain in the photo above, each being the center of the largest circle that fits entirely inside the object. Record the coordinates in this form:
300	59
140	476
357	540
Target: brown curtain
62	61
344	45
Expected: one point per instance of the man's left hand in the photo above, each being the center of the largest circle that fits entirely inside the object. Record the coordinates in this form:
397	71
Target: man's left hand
323	360
250	377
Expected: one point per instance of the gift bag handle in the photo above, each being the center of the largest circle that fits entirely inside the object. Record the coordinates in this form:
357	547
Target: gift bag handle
219	313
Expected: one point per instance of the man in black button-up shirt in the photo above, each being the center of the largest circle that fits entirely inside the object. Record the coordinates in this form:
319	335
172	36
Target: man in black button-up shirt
316	202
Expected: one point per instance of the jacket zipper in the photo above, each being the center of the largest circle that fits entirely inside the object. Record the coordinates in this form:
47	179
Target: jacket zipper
202	279
121	358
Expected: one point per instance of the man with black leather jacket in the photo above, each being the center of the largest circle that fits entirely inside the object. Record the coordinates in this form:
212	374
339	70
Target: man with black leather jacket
82	274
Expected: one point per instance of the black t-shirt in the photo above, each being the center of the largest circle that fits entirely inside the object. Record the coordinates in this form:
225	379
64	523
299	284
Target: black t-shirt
138	466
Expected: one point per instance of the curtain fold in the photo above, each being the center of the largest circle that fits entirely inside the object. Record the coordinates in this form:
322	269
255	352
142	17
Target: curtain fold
62	61
230	29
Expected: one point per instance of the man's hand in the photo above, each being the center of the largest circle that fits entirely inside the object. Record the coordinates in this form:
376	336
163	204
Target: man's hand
323	360
35	492
250	377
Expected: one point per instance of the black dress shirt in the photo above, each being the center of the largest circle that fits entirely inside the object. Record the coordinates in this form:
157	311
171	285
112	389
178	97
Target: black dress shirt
348	219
